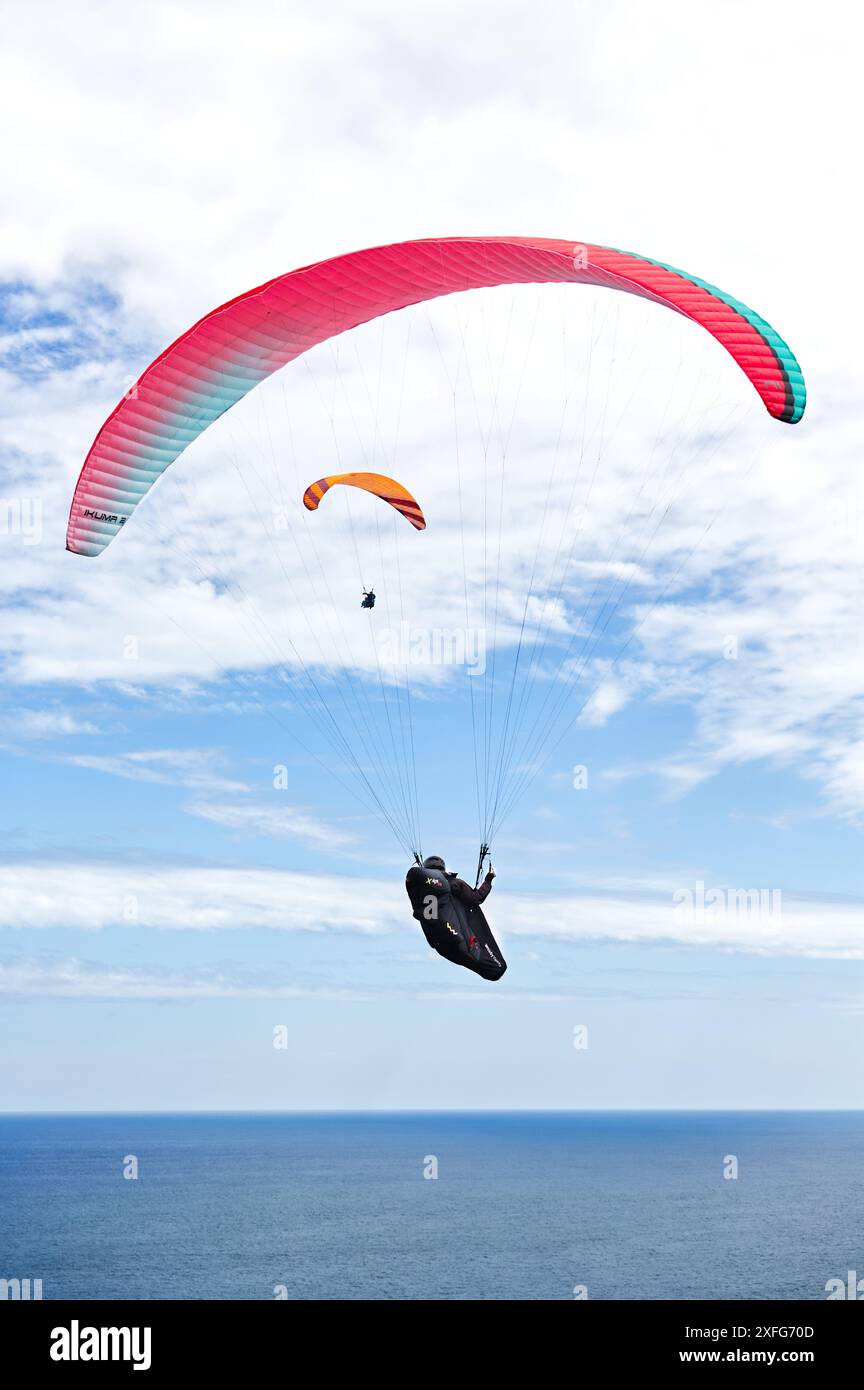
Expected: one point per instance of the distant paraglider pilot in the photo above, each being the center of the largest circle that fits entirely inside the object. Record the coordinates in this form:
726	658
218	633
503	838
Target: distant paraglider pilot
450	913
368	598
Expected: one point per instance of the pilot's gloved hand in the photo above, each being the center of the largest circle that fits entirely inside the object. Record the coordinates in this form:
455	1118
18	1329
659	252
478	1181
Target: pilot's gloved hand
490	873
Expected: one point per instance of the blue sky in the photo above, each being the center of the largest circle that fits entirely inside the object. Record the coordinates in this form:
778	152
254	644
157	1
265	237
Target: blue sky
163	905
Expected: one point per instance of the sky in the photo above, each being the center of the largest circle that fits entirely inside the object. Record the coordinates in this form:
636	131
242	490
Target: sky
187	874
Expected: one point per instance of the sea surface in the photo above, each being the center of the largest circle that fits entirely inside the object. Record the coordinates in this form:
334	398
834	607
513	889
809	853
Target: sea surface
345	1206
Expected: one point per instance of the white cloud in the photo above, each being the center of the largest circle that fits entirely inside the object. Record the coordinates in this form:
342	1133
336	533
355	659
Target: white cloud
43	724
185	767
72	978
76	979
609	697
197	769
279	822
680	775
96	895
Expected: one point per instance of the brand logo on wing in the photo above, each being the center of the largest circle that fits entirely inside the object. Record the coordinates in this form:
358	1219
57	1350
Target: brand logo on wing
104	516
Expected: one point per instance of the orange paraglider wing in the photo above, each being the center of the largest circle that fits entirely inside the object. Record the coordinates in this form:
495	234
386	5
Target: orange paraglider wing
386	488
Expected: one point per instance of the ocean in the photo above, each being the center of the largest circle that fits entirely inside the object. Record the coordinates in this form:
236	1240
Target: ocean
433	1206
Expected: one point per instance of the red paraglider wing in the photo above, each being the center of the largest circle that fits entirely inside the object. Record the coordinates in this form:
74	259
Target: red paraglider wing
223	356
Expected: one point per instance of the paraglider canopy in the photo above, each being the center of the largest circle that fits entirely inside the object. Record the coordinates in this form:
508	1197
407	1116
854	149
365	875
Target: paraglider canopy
386	488
228	352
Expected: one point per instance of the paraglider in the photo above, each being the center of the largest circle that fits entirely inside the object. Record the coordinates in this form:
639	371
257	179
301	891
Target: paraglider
546	649
386	488
221	358
450	912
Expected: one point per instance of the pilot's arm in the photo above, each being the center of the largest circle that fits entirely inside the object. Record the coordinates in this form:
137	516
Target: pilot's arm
472	897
